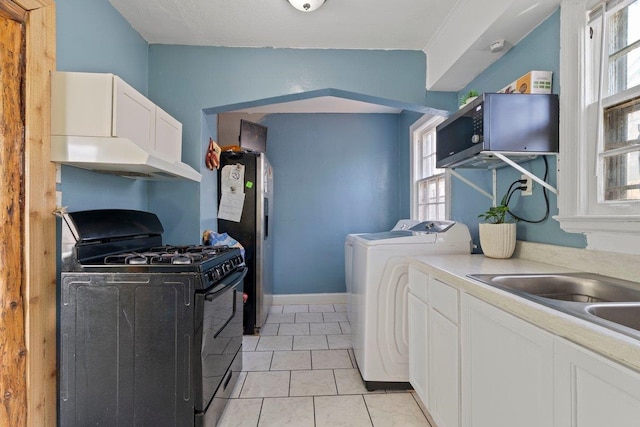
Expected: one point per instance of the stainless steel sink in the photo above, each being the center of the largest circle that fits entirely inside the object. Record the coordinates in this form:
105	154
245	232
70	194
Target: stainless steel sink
606	301
627	315
579	287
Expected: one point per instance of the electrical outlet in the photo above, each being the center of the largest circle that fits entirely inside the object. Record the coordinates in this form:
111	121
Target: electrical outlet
528	184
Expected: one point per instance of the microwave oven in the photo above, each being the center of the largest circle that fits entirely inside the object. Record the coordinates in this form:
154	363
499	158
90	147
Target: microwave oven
498	122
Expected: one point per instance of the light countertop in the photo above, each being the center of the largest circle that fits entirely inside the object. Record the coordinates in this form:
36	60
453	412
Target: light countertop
453	270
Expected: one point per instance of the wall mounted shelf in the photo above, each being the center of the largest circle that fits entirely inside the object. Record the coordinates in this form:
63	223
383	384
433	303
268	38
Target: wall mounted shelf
494	160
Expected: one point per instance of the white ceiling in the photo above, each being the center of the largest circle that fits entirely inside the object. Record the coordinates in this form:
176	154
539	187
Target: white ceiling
455	34
338	24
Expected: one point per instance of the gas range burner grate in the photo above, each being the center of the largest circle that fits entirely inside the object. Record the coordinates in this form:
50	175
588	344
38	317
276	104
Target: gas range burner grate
178	255
176	258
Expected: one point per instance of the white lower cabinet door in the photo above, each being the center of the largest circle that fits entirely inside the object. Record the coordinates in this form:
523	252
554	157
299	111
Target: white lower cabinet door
507	369
592	391
418	350
444	369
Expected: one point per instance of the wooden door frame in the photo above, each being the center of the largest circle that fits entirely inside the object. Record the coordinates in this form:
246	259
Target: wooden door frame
39	252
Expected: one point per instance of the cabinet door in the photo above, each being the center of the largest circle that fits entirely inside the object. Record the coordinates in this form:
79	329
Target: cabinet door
134	116
168	143
81	104
592	391
444	370
418	350
507	369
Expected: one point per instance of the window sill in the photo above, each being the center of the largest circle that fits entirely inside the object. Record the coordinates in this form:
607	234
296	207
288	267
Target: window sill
606	233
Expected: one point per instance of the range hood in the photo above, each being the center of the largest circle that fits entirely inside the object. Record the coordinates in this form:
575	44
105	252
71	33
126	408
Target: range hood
117	156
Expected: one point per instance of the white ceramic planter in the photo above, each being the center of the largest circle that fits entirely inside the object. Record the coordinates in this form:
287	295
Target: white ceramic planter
498	240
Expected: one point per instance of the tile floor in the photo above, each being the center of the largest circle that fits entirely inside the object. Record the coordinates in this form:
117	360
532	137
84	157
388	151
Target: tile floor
301	372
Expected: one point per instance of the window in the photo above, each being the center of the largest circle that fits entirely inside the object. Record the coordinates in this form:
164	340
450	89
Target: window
429	201
599	162
614	33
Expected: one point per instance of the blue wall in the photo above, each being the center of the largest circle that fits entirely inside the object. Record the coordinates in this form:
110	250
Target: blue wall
334	174
92	36
184	80
540	50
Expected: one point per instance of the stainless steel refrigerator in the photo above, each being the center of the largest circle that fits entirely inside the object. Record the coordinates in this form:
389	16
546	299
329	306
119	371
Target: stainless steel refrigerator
253	230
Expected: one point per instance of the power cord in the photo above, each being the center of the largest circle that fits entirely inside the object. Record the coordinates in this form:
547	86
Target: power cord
512	190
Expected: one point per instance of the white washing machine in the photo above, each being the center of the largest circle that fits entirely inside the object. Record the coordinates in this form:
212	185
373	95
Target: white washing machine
380	286
403	224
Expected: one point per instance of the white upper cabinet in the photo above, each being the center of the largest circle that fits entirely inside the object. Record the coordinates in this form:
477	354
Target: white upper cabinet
103	105
168	142
134	116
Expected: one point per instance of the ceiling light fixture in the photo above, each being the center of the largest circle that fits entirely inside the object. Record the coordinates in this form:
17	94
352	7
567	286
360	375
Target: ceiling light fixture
306	5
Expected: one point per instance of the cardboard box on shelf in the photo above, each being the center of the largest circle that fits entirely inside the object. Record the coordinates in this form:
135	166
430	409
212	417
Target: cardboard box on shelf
532	82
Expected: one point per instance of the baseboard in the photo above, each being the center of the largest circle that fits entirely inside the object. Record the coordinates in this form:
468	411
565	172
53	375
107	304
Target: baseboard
336	298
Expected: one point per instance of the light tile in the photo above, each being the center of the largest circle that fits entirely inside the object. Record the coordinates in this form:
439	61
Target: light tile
309	318
235	393
295	308
352	357
321	308
341	308
294	329
274	343
287	412
249	342
313	342
266	384
422	408
339	342
341	411
275	309
325	328
346	327
396	409
330	359
349	381
335	317
291	360
256	360
312	383
270	329
281	318
241	413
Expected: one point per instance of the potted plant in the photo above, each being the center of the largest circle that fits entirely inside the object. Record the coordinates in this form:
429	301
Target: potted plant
468	97
497	234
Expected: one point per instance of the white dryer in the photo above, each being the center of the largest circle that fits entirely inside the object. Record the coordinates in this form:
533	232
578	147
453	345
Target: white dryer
380	286
403	224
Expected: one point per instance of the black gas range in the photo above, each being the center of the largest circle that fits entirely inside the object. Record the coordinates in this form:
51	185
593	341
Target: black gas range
150	334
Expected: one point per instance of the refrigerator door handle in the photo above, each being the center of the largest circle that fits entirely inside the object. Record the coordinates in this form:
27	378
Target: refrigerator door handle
266	218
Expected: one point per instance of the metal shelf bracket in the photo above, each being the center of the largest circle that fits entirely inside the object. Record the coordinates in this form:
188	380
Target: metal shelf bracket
509	162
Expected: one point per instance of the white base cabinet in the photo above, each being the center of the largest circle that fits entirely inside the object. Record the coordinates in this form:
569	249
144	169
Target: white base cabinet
418	347
507	369
418	324
474	365
444	369
434	363
592	391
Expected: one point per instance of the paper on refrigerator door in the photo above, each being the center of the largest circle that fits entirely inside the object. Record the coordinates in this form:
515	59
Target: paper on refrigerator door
231	205
232	190
232	178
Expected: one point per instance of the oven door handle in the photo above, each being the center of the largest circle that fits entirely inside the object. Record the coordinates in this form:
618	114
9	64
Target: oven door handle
232	279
